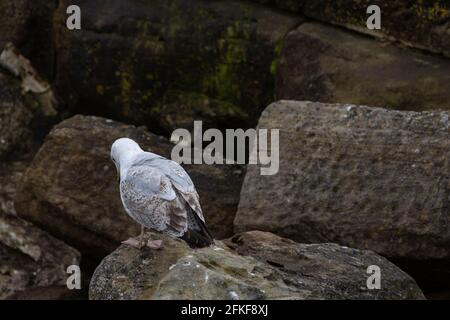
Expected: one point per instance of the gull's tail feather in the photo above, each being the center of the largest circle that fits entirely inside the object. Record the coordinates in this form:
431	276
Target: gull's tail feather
198	238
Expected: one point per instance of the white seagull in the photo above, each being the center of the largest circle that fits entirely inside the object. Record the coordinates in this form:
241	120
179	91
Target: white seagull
158	194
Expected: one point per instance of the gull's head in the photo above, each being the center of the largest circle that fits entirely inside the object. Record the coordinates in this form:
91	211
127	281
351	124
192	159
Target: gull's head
122	151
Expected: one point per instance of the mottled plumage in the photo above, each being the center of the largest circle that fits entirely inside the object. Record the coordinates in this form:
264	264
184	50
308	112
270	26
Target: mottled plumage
158	194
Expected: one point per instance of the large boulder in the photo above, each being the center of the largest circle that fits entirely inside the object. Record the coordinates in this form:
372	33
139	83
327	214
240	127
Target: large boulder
369	178
71	188
33	264
28	24
140	60
254	266
422	24
327	64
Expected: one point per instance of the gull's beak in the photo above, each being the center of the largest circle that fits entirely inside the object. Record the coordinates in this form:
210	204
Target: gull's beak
117	170
118	173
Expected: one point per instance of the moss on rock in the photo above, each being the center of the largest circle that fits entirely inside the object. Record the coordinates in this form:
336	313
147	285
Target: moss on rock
145	50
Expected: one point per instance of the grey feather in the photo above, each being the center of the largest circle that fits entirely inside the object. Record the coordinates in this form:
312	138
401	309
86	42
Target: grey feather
178	177
159	194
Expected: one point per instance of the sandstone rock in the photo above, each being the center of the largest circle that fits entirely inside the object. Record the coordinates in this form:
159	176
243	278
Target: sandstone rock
28	24
365	177
32	263
140	55
423	24
15	119
327	64
253	265
71	187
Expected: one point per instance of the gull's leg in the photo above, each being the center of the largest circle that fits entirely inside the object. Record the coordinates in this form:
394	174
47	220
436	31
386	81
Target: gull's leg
138	243
154	244
133	242
141	237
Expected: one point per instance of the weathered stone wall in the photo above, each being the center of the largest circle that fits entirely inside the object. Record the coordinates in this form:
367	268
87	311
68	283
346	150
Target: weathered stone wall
421	24
322	63
145	61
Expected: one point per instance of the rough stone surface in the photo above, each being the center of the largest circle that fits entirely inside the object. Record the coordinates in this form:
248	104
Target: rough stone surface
15	118
142	55
28	24
10	174
254	265
327	64
422	24
369	178
71	187
32	263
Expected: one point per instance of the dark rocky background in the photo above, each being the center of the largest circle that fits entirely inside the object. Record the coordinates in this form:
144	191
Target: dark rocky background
364	146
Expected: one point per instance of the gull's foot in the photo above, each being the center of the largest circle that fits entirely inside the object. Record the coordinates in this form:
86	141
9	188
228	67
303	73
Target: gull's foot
154	244
135	243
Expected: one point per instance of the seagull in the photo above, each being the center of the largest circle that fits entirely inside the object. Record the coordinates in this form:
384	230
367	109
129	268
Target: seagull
158	194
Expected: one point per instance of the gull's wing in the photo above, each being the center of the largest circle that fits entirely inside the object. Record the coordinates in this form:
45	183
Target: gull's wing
148	197
177	175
